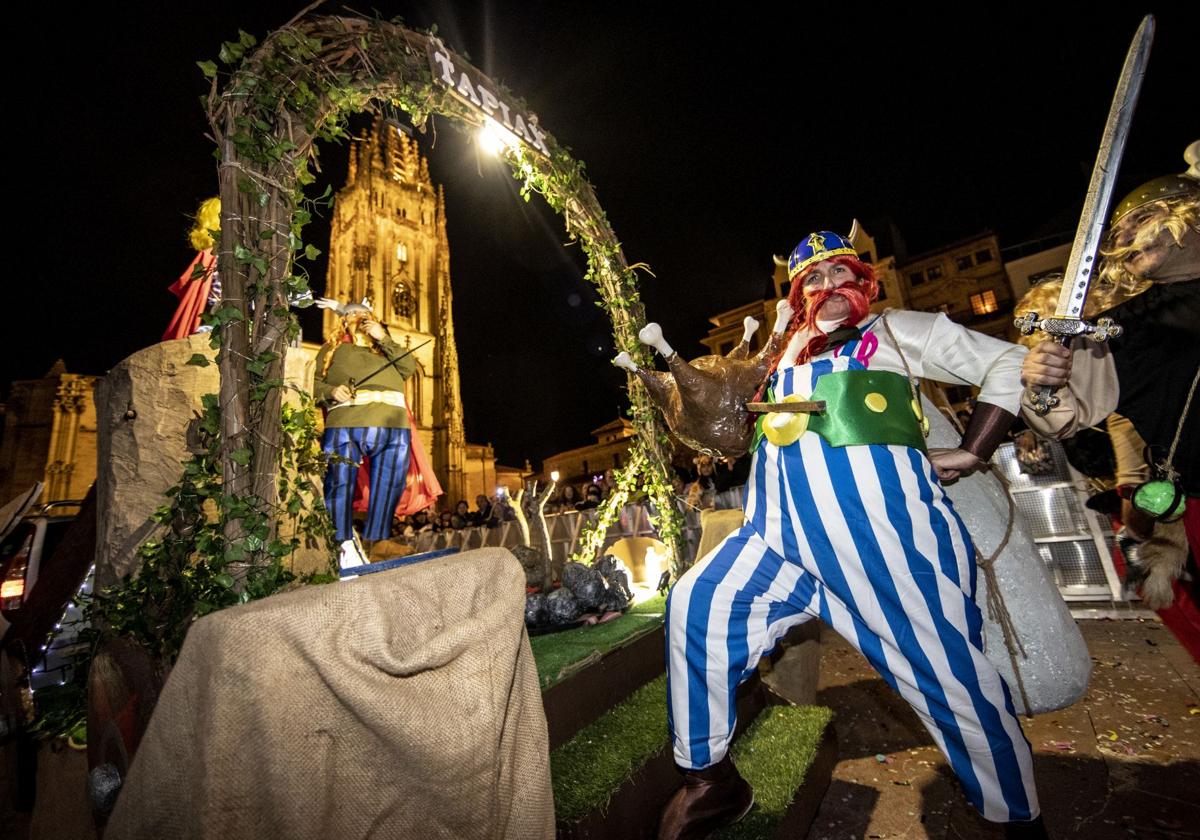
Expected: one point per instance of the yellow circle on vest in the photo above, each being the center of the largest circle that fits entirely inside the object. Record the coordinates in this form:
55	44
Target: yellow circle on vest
785	428
876	401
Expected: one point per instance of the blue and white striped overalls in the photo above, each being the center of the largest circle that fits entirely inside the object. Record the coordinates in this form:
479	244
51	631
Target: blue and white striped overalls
388	451
864	538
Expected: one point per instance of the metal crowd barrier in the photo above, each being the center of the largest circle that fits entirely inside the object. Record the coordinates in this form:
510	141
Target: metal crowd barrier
565	529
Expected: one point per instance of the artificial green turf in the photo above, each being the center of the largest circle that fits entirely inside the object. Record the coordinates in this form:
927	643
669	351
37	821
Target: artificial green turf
558	655
591	767
774	755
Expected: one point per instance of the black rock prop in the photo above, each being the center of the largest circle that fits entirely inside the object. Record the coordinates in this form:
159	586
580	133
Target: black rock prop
561	606
618	594
587	584
601	588
533	561
535	610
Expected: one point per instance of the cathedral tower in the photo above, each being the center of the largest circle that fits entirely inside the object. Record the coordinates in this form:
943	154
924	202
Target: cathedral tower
388	245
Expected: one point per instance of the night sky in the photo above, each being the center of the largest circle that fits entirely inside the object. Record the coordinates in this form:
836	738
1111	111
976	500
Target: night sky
713	142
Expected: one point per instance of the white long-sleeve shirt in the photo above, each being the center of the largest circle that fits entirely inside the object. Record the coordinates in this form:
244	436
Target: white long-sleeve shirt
937	348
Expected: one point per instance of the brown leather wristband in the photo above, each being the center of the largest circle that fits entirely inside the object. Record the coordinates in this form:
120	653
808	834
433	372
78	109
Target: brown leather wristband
986	430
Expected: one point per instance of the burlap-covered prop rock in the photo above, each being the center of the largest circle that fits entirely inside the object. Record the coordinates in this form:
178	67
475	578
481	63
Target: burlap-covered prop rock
402	704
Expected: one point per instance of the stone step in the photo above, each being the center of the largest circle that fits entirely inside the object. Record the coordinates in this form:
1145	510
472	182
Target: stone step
787	756
612	779
586	671
582	698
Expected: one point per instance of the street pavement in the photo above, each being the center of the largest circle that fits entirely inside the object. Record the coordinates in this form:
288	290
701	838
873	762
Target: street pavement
1123	762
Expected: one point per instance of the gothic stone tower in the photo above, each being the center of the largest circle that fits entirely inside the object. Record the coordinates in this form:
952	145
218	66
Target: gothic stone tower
388	245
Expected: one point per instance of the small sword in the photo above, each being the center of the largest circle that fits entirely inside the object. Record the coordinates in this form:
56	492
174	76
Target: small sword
805	407
354	386
1067	320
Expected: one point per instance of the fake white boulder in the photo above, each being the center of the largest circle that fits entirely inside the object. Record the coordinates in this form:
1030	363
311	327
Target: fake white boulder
1056	663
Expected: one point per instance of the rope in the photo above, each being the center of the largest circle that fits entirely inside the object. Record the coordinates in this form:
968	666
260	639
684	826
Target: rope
912	384
1182	419
997	608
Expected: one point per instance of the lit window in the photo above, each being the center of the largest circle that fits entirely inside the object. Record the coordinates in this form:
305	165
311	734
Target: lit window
402	253
983	303
983	256
964	262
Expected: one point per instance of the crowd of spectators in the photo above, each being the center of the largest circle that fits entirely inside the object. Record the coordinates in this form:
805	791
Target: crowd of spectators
489	512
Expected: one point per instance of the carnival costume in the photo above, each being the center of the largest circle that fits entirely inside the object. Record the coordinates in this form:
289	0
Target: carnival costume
373	423
1149	376
847	521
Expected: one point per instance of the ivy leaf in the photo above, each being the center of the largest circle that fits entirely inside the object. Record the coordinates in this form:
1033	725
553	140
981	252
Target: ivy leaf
230	52
312	251
240	456
208	68
225	579
199	360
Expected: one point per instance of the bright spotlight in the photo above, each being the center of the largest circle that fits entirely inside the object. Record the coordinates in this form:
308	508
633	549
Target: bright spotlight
554	475
495	138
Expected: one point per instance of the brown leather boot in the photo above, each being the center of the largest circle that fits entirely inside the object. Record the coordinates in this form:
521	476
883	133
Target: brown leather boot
709	799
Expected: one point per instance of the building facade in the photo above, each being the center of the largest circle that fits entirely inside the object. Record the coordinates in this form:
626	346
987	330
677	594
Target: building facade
48	434
583	464
388	246
966	280
1030	263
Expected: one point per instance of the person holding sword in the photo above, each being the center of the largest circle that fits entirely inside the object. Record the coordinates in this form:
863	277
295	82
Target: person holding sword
359	379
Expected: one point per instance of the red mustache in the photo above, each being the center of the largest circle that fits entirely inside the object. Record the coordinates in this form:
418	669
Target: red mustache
852	293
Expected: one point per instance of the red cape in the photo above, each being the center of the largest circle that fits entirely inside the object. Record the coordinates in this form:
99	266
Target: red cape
421	487
192	292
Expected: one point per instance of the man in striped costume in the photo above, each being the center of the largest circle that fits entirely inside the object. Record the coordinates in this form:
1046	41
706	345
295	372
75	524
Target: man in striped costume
846	521
370	421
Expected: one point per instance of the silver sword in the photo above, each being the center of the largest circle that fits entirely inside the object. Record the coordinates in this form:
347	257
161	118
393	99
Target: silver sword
1067	320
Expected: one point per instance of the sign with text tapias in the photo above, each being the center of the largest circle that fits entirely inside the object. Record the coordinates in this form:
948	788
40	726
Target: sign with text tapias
475	89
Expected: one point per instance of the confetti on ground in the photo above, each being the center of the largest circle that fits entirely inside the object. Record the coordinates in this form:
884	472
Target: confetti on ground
882	759
1110	735
1063	746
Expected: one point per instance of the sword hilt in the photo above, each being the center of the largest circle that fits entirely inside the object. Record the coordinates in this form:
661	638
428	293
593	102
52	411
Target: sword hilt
1067	327
1042	398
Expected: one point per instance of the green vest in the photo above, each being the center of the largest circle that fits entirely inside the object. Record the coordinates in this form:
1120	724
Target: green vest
861	407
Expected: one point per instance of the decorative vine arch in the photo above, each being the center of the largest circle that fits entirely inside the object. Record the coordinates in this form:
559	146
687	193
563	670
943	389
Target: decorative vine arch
300	85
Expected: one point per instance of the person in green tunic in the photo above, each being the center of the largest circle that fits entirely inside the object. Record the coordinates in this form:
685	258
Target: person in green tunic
366	417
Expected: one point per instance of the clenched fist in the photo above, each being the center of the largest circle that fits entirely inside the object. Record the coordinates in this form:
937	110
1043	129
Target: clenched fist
1049	363
374	329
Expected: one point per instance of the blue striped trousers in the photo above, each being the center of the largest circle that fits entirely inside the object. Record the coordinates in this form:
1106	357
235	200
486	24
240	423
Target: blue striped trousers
864	538
388	450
